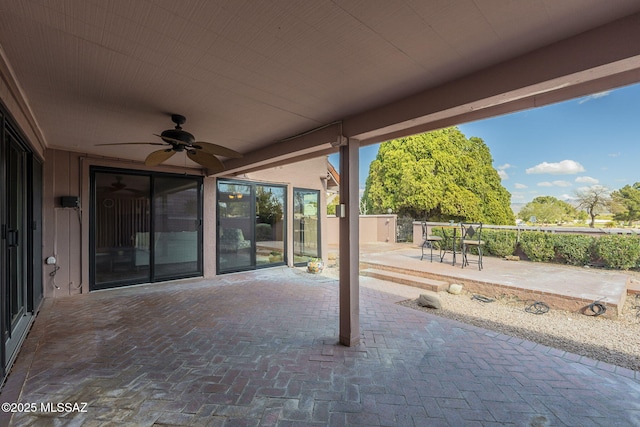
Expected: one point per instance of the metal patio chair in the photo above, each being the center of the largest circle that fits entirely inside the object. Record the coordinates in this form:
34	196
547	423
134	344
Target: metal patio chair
428	240
471	238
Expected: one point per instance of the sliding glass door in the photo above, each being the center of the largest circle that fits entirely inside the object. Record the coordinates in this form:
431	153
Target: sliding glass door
270	230
176	219
145	227
14	259
251	225
122	223
21	241
235	227
306	225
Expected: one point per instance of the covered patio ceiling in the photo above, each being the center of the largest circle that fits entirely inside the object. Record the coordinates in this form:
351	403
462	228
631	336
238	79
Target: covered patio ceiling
253	75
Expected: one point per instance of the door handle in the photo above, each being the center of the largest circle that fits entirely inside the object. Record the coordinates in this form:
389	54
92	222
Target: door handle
12	238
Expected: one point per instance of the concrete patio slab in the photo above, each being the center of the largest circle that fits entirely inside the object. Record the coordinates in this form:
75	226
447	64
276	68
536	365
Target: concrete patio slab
562	287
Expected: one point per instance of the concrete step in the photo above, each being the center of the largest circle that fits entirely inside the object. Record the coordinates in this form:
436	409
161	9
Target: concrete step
633	286
406	279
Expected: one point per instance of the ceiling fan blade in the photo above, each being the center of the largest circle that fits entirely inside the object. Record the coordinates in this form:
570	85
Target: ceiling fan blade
157	157
216	149
211	162
133	143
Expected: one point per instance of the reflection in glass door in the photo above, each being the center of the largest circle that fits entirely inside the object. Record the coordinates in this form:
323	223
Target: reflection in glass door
122	223
270	224
306	225
176	213
235	227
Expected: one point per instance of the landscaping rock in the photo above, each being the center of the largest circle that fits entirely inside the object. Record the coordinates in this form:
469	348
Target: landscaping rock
429	300
455	289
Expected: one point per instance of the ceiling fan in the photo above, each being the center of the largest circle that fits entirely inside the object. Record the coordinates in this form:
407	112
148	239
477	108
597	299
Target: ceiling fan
177	140
118	186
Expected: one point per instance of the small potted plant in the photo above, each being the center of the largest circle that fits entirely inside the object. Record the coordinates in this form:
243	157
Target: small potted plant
315	265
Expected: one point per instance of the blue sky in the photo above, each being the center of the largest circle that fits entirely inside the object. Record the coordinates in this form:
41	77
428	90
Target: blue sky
561	148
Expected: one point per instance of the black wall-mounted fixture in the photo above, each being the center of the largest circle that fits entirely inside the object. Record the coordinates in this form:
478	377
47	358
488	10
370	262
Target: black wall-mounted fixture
70	202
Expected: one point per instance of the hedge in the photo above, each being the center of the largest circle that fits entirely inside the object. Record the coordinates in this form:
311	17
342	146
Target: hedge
574	249
610	251
613	251
499	243
621	252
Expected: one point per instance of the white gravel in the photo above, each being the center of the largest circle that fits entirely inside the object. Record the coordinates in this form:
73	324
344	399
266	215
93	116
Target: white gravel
615	341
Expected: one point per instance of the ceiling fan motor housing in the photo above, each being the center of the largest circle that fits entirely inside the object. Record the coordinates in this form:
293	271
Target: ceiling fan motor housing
171	135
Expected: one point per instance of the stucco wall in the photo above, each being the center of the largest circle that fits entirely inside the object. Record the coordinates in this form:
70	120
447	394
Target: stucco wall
373	228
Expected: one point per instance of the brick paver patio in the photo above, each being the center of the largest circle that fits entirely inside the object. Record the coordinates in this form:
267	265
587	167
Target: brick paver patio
260	349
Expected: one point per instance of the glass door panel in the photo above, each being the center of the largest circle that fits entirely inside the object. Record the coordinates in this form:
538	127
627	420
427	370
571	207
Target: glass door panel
270	225
236	224
121	229
176	212
15	289
306	225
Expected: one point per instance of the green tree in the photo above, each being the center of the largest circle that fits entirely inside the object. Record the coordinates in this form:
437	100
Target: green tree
594	200
331	205
625	203
268	207
437	176
548	210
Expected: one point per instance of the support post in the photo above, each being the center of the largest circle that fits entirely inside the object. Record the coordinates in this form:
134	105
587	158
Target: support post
349	244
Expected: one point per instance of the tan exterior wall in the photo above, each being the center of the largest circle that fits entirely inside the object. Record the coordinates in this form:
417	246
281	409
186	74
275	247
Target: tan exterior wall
373	228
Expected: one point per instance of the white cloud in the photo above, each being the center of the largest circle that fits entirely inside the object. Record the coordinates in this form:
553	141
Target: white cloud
565	167
594	96
587	180
614	154
519	186
558	183
502	171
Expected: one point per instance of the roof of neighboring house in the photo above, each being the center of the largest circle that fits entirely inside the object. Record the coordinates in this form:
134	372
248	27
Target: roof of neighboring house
333	177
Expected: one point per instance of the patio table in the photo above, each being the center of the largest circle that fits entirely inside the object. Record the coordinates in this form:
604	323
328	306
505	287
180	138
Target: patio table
450	243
